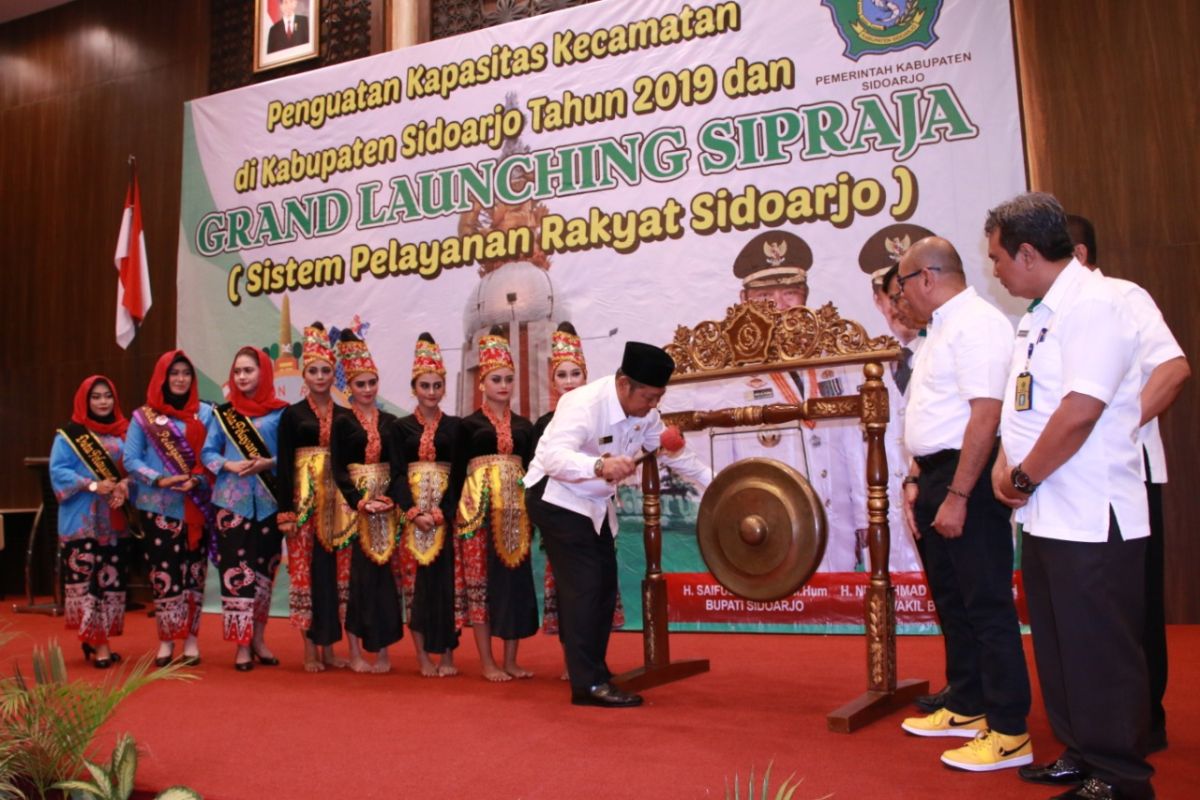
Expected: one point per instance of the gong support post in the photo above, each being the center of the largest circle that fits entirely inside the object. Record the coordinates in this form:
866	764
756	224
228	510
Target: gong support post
657	668
884	694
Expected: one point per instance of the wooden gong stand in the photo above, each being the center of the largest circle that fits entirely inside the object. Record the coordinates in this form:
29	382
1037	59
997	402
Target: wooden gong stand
756	337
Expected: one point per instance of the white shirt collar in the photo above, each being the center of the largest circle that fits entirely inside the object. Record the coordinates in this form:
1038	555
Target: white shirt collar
946	311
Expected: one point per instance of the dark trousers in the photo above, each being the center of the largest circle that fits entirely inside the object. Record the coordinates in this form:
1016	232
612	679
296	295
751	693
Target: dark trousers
1154	640
1086	608
970	578
585	572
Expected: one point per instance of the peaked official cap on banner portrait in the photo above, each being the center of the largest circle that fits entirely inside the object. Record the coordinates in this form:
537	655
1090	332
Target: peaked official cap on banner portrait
887	246
774	258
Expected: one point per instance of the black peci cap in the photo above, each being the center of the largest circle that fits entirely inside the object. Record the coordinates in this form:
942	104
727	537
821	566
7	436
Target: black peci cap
647	364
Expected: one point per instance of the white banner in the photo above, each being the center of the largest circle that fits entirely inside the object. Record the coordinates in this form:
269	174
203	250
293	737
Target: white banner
606	165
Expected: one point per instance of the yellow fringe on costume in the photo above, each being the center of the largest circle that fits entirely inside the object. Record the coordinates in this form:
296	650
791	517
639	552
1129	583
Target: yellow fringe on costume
315	495
428	481
493	498
376	532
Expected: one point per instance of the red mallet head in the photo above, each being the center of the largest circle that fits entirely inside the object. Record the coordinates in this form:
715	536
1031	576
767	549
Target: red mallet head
672	440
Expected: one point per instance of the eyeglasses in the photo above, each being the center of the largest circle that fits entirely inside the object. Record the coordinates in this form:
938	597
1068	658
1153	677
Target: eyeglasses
903	279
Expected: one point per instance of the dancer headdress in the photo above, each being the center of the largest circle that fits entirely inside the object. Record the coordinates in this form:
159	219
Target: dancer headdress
494	353
427	357
565	346
317	346
354	355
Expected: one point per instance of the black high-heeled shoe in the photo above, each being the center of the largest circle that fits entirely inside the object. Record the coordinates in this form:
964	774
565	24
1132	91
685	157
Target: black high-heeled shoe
266	661
105	663
190	661
88	651
244	666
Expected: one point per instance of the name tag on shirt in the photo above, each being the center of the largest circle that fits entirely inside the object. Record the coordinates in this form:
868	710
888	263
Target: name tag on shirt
1023	399
605	440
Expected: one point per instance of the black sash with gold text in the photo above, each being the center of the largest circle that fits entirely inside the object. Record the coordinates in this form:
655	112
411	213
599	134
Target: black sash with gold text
249	442
91	451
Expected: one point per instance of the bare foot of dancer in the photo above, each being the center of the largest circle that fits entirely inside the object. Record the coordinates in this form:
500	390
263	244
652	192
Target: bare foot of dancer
510	660
494	674
446	668
357	662
332	659
383	663
517	671
312	662
428	668
483	643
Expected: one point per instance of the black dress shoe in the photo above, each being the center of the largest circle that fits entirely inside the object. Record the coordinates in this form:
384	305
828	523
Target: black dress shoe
930	703
243	666
162	661
1092	789
190	661
266	661
1057	773
606	695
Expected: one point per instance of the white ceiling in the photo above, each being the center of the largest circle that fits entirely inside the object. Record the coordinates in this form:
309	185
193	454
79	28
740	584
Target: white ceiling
14	9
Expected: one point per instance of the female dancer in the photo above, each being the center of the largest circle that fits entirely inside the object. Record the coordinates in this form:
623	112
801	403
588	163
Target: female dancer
568	370
368	469
318	570
428	438
497	446
174	496
91	489
240	451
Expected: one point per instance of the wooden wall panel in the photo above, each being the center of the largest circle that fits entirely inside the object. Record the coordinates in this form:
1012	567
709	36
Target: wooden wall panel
1111	110
82	86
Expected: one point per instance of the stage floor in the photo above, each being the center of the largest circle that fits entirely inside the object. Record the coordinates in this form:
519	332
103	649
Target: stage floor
280	732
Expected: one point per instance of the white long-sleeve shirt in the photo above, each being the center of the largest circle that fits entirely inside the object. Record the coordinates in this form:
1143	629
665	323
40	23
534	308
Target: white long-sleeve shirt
589	423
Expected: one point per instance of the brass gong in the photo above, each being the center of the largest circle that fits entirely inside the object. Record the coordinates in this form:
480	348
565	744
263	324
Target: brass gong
761	529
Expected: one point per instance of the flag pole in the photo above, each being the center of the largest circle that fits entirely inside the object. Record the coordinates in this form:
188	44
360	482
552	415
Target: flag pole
137	347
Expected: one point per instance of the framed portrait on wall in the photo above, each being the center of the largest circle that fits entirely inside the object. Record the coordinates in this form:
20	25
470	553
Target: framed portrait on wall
285	31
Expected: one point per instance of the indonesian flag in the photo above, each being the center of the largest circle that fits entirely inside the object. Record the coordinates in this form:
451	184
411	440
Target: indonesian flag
133	283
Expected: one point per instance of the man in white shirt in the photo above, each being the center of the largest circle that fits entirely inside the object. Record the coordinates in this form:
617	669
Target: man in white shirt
592	444
1069	465
1164	371
950	429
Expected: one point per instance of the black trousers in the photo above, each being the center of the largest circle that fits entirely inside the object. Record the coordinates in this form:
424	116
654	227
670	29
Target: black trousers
1086	608
970	578
1154	639
585	571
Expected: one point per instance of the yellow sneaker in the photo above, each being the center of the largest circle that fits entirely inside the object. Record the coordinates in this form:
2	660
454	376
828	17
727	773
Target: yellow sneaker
990	750
945	722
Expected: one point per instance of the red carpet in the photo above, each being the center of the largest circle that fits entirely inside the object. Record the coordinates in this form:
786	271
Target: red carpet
281	733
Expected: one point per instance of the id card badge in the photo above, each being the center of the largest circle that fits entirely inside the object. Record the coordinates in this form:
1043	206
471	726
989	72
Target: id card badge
1023	401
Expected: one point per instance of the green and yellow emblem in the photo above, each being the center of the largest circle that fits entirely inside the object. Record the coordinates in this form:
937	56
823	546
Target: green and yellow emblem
884	26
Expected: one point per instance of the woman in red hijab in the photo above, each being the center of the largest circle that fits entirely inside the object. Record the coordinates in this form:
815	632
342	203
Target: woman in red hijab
174	494
91	488
240	451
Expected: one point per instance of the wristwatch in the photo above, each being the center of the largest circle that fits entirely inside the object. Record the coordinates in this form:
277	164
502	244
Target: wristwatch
1021	481
598	468
93	486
